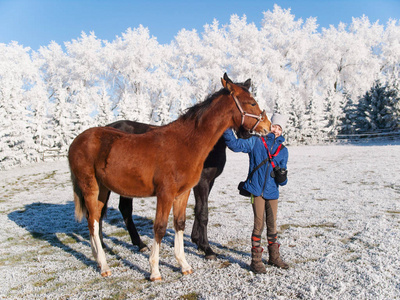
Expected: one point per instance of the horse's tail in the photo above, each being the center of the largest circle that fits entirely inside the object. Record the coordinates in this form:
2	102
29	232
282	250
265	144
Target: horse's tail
80	208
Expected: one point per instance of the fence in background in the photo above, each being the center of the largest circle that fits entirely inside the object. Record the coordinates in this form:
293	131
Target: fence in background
391	135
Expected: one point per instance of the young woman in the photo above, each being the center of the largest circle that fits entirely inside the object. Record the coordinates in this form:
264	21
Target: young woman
267	171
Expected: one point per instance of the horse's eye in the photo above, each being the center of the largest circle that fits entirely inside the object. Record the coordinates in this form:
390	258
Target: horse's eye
254	104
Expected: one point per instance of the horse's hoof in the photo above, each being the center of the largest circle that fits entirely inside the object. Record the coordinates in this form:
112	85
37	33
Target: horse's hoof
187	272
209	254
144	249
106	273
155	278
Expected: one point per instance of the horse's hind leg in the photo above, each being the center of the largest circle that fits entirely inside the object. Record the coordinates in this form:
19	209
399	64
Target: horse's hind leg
95	201
125	207
179	224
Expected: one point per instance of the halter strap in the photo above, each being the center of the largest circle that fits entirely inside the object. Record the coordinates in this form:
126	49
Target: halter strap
245	114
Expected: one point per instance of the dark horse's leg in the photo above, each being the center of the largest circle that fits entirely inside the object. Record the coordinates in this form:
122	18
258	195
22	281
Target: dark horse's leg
125	207
103	213
213	167
199	230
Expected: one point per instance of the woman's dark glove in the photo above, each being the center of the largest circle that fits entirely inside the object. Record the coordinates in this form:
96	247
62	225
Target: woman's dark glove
279	174
242	191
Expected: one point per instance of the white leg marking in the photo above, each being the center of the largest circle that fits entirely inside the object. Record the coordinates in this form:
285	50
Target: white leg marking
98	251
93	246
154	259
180	253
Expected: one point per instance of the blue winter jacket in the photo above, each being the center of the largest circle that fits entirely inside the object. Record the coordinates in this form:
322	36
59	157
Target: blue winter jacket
261	183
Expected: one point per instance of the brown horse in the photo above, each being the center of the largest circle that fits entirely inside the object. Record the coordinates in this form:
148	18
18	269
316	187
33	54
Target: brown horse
165	162
212	168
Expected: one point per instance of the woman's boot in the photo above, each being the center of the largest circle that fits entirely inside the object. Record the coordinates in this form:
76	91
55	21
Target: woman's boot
274	256
257	266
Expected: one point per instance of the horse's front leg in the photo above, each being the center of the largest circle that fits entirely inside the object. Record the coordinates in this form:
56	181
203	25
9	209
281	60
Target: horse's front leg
179	224
164	204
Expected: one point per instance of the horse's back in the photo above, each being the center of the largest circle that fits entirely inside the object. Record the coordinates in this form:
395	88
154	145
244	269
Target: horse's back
132	126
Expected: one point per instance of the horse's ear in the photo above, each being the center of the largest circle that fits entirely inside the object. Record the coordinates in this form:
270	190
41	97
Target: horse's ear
223	82
226	84
247	83
227	79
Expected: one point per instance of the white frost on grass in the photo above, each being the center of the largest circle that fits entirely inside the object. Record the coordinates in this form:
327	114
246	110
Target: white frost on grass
339	219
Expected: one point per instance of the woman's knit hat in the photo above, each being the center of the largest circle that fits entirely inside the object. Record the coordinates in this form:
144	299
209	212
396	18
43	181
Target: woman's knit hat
278	119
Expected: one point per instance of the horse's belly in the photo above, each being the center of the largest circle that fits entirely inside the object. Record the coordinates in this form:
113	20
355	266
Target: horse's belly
130	186
128	181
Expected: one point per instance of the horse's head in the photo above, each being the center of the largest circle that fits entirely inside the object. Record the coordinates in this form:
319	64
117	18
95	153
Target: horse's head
249	115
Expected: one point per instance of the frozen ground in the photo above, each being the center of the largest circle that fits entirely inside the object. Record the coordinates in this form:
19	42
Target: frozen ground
339	221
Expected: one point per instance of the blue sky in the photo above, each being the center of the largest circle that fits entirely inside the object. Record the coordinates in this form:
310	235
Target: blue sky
35	23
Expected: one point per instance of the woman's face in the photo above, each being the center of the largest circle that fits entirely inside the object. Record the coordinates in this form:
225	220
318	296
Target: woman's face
277	130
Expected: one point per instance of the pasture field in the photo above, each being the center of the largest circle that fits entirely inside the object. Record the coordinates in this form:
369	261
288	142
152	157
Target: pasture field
338	220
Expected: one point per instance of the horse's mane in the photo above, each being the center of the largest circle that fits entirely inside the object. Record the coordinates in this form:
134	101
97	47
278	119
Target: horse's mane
196	111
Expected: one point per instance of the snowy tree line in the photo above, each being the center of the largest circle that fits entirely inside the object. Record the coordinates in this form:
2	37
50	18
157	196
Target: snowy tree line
336	80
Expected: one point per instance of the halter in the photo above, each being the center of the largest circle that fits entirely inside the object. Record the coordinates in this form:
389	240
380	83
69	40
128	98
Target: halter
245	114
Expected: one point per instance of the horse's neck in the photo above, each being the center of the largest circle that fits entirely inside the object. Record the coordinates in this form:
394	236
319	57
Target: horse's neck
205	133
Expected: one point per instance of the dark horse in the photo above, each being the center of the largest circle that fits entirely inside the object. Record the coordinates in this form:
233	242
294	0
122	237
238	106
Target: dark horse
213	167
165	162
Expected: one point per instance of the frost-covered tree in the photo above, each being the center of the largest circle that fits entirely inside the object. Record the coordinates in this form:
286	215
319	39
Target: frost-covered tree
194	63
388	52
280	32
22	107
296	119
56	68
347	123
378	109
312	132
86	82
104	113
133	59
333	113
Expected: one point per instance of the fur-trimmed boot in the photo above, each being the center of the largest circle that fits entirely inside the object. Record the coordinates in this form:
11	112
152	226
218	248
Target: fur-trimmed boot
257	266
274	256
